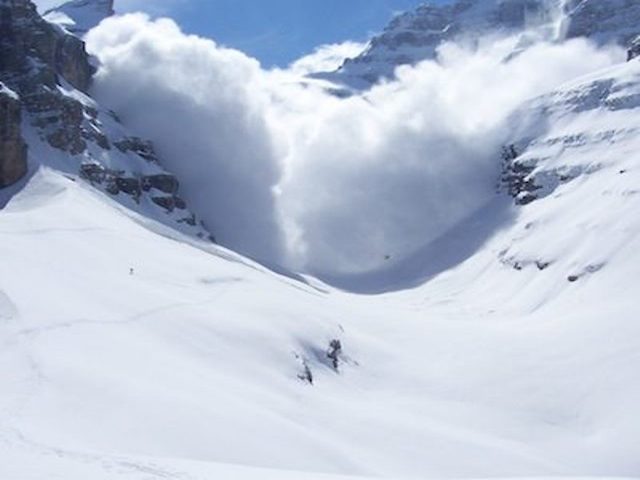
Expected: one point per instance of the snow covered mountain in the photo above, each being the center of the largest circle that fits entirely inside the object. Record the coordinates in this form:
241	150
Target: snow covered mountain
519	357
46	75
80	16
416	35
135	348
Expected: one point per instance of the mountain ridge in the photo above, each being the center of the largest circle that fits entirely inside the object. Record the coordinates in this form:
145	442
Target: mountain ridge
80	16
415	36
50	74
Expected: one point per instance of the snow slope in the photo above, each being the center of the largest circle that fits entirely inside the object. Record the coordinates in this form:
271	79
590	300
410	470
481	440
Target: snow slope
519	356
509	347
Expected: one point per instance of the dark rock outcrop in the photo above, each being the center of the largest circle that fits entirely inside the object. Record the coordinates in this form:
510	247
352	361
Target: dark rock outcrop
13	150
119	181
634	49
164	182
602	21
416	35
36	60
45	74
138	146
517	177
166	202
39	52
129	186
334	352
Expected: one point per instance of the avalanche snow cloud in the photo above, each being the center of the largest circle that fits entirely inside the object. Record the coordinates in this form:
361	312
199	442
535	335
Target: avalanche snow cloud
285	172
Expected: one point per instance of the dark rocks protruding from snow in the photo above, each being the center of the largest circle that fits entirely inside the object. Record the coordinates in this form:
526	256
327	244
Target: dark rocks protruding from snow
588	270
117	181
517	177
180	204
416	35
62	120
520	264
138	146
45	74
634	49
164	182
36	60
129	186
306	375
334	352
13	149
602	21
38	52
72	62
166	202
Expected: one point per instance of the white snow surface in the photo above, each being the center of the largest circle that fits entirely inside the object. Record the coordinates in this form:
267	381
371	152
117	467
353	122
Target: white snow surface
507	347
4	90
489	366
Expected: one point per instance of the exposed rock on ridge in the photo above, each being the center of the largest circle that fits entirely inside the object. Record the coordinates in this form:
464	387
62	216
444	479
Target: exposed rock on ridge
48	74
34	53
634	49
13	149
415	36
603	21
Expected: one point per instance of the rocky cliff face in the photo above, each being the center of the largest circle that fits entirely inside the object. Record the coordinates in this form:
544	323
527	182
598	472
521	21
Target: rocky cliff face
36	60
35	57
416	35
13	149
603	21
634	49
599	136
47	74
35	53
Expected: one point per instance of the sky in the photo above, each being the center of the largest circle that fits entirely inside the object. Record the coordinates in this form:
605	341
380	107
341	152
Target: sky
279	31
276	32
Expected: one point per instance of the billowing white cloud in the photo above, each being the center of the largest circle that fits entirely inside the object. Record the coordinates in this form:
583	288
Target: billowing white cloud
380	175
204	107
283	171
326	58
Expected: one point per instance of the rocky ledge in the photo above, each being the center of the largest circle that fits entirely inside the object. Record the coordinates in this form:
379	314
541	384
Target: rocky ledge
45	75
13	149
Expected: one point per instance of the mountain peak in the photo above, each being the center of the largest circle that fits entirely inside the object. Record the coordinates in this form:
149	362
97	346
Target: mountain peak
80	16
415	36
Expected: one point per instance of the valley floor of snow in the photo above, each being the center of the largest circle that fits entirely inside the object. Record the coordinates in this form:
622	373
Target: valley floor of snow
129	351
